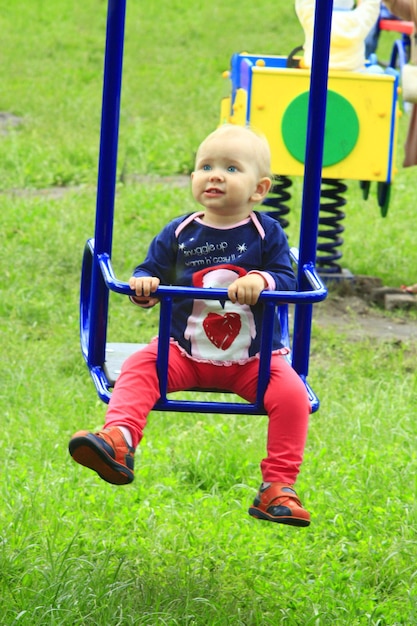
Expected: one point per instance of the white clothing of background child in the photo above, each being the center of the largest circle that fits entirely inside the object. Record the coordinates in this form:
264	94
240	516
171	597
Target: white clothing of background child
350	27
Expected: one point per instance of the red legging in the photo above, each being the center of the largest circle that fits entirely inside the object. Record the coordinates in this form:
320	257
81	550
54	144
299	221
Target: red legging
286	401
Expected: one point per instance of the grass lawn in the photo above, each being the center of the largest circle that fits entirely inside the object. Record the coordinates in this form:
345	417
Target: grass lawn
177	547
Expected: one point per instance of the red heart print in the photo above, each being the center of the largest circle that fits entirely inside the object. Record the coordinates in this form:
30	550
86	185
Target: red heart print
222	330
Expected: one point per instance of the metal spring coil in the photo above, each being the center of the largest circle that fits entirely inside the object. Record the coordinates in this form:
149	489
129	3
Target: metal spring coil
327	262
277	198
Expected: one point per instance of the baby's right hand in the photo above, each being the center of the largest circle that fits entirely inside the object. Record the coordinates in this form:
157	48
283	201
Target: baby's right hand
143	286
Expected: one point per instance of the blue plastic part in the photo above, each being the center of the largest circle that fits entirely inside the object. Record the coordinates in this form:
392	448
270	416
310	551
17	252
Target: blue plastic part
400	52
273	300
241	74
388	177
98	279
106	184
312	178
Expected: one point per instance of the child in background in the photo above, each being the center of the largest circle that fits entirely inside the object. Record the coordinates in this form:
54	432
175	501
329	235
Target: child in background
214	344
350	27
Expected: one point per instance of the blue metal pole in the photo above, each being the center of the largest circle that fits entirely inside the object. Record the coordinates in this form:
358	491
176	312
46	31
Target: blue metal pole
312	177
106	184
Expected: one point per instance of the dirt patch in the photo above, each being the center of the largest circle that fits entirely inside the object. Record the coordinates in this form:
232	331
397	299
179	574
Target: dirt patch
8	121
179	180
351	308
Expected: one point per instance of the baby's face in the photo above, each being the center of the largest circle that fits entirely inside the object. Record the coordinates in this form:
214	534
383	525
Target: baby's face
226	173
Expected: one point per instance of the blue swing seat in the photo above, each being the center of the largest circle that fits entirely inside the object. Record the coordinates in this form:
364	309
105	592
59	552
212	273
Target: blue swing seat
106	370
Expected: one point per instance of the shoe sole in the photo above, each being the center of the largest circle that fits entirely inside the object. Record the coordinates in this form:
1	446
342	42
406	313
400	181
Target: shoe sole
86	452
290	521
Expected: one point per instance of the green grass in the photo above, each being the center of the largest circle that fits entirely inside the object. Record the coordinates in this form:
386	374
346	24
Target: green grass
177	547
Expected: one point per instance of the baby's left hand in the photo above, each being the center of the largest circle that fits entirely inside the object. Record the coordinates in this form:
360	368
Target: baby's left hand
246	290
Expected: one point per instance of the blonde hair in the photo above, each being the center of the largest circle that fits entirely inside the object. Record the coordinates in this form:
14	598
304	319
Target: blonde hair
262	152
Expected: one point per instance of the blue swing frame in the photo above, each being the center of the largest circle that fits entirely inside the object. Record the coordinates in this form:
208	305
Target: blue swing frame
98	278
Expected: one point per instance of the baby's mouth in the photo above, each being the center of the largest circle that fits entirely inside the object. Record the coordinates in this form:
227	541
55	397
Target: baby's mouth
214	191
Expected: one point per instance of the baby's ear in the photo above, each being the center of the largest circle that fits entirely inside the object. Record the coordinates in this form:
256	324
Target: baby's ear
262	188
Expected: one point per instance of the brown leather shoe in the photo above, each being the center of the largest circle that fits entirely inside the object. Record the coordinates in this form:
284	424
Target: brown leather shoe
106	452
278	502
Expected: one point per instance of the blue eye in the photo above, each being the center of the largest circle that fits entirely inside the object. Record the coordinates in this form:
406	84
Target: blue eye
232	168
206	168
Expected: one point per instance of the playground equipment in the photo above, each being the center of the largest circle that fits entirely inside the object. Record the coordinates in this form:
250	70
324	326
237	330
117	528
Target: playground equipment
98	279
401	47
272	94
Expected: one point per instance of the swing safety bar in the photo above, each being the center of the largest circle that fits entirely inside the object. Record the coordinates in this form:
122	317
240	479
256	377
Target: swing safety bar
97	277
273	301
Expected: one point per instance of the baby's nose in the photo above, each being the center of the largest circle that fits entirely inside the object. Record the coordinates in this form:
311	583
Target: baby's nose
216	174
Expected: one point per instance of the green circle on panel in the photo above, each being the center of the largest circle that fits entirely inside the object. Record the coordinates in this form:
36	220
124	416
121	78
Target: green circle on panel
341	128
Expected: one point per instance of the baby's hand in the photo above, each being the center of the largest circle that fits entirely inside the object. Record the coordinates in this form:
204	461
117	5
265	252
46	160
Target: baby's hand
246	289
143	287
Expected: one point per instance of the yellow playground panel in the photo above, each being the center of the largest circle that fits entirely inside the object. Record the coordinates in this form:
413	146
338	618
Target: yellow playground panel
361	117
